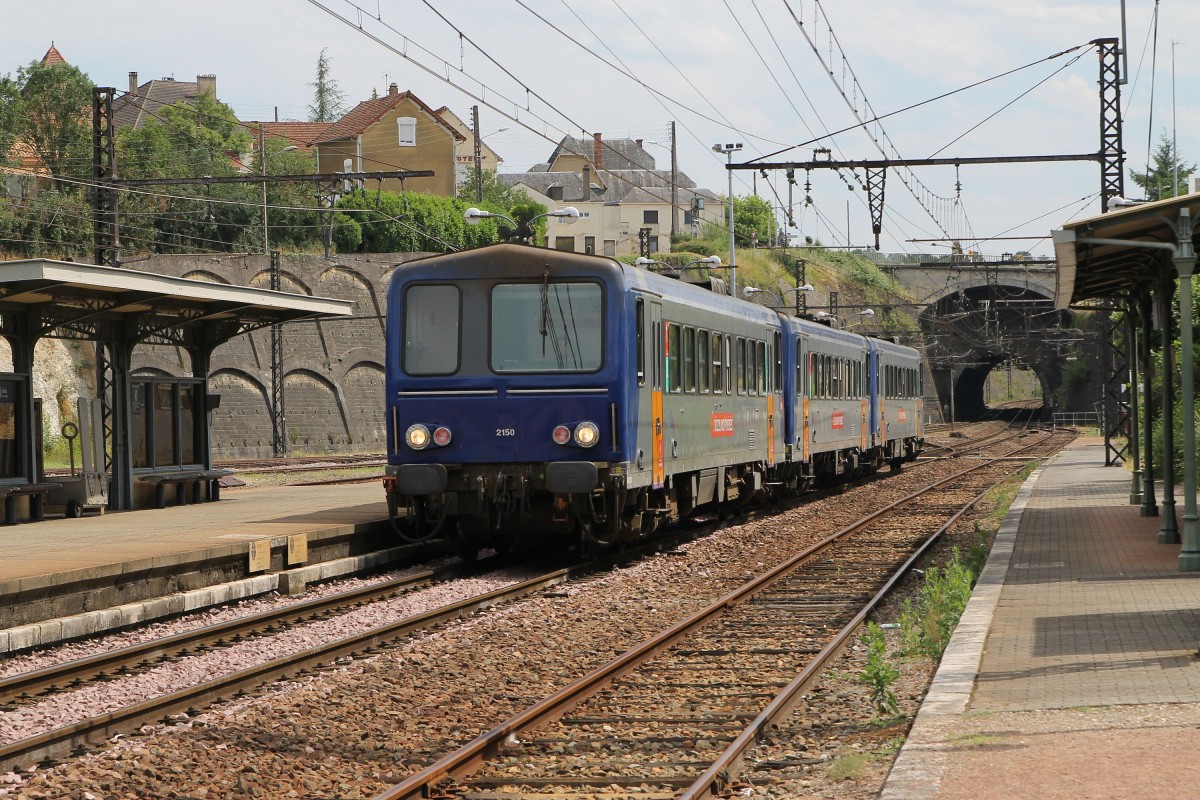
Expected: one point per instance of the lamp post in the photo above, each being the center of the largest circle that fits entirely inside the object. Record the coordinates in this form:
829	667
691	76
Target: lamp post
729	150
278	430
524	231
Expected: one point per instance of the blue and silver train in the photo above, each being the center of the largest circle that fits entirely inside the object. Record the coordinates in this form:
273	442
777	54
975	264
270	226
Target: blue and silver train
535	393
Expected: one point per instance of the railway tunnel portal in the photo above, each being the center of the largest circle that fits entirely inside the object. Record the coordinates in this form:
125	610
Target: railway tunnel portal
978	316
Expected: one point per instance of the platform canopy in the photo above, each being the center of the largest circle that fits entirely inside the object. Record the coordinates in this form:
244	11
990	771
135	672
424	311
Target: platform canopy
77	299
1125	251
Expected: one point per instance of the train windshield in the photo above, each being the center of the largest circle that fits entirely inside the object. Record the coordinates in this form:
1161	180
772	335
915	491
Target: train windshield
547	327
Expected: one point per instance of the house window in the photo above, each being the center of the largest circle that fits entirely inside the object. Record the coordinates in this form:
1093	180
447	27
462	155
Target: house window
653	244
564	243
650	217
407	127
589	245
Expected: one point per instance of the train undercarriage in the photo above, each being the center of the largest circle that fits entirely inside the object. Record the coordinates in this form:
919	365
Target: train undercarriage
506	506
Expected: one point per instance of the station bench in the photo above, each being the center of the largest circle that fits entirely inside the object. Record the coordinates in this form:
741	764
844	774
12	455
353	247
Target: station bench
206	485
37	500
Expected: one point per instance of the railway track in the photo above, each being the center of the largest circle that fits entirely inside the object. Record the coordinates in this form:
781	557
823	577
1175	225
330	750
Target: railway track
86	733
673	716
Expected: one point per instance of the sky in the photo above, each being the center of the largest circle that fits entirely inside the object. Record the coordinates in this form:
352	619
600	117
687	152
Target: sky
769	74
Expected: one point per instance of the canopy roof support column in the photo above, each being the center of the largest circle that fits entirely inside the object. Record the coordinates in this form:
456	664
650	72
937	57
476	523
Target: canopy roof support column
1149	504
1168	531
1185	264
1131	391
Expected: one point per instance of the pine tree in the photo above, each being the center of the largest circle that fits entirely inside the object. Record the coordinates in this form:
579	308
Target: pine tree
1157	179
328	100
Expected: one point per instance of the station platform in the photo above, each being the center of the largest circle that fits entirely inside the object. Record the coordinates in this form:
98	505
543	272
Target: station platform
1074	671
62	578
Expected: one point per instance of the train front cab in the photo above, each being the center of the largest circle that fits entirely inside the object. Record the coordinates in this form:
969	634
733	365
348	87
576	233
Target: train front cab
505	393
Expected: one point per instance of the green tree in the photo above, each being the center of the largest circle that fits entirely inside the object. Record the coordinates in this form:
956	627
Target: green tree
52	114
495	192
188	140
10	116
1157	180
409	222
753	220
329	102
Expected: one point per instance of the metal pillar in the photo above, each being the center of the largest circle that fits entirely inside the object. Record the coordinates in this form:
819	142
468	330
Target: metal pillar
105	231
1168	532
1149	504
1112	165
1113	413
278	424
1185	264
1131	392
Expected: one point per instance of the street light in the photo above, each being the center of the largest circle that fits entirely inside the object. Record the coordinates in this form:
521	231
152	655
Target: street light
750	291
729	150
524	231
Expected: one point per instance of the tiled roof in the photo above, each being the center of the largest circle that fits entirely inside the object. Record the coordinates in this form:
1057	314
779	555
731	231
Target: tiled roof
368	112
303	135
614	153
53	56
134	110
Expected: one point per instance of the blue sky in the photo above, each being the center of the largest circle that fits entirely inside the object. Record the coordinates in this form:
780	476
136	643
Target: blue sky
725	70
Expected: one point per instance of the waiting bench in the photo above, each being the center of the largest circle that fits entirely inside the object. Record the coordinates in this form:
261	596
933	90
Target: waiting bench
37	500
206	485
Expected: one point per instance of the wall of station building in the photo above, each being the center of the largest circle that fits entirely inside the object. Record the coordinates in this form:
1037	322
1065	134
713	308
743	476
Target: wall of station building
333	370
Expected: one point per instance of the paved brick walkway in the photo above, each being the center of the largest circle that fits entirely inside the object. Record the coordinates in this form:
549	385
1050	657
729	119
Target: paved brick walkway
1080	642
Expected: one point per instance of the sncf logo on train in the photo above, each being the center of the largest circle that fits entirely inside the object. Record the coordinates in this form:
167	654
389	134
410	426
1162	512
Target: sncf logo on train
721	424
838	420
902	415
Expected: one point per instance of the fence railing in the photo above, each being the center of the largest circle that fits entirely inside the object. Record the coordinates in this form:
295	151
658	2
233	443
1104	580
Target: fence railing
1076	418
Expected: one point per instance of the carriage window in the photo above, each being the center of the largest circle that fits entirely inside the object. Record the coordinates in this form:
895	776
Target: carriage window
820	376
689	359
835	383
704	368
641	341
431	329
741	365
810	378
674	381
762	367
718	384
778	387
728	364
751	368
554	327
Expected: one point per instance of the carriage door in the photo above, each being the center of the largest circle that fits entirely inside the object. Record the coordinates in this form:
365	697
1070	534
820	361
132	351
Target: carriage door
803	378
659	363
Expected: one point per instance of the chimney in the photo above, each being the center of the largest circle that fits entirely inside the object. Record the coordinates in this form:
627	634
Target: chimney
133	84
393	90
206	83
587	183
598	150
639	143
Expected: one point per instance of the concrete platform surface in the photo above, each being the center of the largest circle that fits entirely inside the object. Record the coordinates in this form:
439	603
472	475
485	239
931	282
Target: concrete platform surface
66	578
1074	670
58	545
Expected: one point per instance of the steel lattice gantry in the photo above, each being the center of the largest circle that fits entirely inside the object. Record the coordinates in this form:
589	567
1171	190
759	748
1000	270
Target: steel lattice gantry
119	309
1133	258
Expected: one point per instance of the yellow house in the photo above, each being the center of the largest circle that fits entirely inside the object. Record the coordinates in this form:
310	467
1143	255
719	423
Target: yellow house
390	133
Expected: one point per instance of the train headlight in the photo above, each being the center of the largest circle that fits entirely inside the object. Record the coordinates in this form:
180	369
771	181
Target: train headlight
417	437
586	434
442	436
561	435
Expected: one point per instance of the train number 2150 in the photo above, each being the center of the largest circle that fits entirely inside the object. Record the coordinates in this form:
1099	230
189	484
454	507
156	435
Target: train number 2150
506	431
